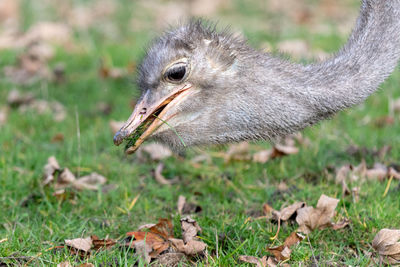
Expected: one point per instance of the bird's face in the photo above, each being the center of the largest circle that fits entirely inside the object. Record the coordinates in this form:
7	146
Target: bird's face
176	78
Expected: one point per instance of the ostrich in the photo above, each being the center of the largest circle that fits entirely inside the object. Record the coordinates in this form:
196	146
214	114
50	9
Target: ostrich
200	86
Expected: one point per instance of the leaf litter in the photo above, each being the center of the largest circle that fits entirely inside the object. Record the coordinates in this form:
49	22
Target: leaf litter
159	241
387	244
62	178
26	102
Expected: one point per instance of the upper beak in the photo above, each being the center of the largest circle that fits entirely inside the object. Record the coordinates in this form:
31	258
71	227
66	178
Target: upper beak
144	110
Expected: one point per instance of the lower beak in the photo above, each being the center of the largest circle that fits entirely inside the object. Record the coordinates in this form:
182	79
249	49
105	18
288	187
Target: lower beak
146	118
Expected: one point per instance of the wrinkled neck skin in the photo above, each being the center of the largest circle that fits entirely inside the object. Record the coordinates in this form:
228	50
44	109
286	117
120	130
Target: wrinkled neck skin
270	97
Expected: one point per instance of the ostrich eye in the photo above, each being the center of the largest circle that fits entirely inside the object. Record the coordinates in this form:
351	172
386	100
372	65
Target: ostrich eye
176	73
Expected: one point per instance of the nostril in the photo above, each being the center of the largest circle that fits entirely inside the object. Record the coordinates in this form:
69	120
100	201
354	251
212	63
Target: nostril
118	138
144	110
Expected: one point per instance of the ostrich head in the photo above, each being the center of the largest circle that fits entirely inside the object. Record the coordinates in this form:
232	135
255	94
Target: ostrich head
203	87
187	79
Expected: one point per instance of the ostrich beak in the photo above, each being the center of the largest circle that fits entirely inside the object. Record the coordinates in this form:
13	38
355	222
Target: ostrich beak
147	117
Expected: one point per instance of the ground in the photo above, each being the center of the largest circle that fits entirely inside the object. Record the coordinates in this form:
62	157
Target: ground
33	221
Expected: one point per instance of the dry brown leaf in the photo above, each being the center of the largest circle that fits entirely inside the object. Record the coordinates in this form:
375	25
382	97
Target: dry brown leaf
65	178
341	224
146	226
187	207
102	243
27	103
171	259
15	98
238	151
282	252
155	151
387	244
86	265
79	246
190	229
310	218
283	150
64	264
394	173
156	238
143	249
262	156
58	138
181	203
89	182
50	169
193	247
267	209
160	178
259	262
379	171
289	211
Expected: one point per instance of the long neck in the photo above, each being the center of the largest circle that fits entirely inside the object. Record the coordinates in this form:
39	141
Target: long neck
299	96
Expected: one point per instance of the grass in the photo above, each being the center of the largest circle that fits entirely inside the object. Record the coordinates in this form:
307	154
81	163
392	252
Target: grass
227	192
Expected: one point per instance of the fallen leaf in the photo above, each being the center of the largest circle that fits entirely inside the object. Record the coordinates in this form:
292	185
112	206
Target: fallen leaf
238	151
287	212
341	224
387	244
187	207
89	182
310	218
181	203
155	151
262	156
283	251
143	249
160	178
156	238
25	102
283	150
171	259
64	264
379	171
193	247
57	138
50	169
146	226
65	178
102	243
255	260
190	229
80	246
15	98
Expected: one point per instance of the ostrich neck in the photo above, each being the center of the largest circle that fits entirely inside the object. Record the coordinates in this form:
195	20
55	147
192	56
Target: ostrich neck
282	97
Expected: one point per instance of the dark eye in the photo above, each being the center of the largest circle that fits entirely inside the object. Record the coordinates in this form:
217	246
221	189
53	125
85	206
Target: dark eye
176	73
